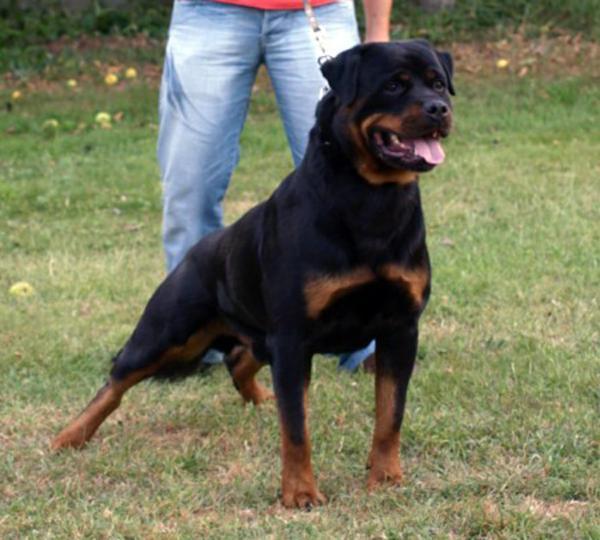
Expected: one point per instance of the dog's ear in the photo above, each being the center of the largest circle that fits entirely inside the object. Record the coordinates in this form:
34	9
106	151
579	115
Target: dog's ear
445	59
341	73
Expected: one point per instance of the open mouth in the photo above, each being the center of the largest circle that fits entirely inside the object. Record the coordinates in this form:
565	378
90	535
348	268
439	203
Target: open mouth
417	154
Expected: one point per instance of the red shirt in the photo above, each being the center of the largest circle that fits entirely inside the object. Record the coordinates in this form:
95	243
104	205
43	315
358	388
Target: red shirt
275	4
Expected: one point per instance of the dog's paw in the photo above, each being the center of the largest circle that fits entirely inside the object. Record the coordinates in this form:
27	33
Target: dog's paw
255	393
379	476
303	498
262	394
69	438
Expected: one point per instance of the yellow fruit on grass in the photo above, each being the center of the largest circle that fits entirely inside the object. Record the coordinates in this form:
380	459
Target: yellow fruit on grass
16	95
21	288
71	83
111	79
131	73
103	118
502	63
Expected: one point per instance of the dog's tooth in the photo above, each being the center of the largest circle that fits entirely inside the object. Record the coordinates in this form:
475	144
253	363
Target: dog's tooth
394	138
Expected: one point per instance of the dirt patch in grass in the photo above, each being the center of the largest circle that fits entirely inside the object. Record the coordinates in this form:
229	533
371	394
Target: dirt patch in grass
554	510
548	55
562	55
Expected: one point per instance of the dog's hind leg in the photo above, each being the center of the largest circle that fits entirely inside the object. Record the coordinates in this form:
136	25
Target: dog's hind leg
176	325
243	367
108	398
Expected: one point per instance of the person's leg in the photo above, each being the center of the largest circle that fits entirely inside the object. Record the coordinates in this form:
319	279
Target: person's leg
212	56
291	55
351	361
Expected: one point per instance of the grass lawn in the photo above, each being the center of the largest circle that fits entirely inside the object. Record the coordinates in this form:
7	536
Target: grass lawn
501	436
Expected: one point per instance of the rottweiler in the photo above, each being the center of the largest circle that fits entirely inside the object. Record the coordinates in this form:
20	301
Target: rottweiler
335	258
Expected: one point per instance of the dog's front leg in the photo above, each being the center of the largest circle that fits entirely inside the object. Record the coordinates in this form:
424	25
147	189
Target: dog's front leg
394	361
291	377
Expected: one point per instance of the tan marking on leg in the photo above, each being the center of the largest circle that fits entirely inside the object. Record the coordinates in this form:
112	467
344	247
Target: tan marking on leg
243	375
298	485
384	458
414	281
197	342
108	398
320	292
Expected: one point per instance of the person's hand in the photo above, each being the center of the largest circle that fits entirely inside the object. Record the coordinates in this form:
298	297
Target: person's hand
379	35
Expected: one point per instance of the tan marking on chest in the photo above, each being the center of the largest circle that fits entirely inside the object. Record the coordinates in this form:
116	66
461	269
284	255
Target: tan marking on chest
413	280
323	291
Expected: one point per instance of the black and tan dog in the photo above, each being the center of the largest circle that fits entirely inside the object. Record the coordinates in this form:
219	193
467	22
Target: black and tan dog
335	258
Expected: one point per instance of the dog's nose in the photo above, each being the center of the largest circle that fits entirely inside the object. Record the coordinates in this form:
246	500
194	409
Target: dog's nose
436	109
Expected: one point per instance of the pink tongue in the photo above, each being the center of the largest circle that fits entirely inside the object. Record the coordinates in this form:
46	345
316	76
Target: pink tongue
430	150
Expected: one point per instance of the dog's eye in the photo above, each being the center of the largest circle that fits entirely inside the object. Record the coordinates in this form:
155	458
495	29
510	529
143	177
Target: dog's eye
394	86
438	85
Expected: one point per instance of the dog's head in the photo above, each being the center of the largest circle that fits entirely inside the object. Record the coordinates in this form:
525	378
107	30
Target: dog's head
389	107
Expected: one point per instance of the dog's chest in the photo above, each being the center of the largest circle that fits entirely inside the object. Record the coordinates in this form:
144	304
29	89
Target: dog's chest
387	289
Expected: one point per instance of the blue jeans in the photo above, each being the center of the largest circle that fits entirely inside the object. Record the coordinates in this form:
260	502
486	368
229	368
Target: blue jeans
213	53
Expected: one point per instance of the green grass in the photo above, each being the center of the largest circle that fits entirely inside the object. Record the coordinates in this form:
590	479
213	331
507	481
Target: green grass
501	433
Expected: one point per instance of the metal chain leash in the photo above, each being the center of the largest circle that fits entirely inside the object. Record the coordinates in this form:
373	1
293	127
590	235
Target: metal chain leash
320	38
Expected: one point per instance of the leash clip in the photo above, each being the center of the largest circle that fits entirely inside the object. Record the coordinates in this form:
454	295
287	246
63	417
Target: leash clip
318	33
324	58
